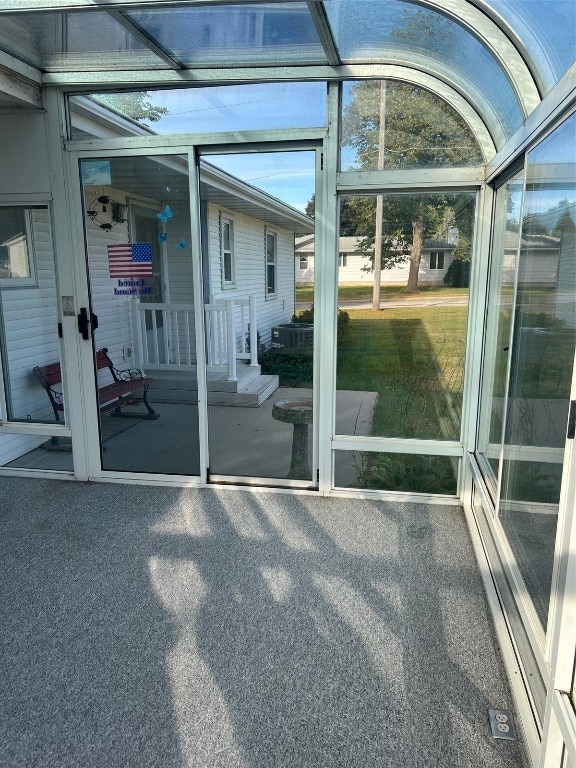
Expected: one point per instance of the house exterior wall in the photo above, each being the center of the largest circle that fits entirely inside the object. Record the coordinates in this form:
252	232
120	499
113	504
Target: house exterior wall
24	155
353	273
250	268
29	321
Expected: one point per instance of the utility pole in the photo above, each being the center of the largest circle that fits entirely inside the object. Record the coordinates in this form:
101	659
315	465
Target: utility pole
379	201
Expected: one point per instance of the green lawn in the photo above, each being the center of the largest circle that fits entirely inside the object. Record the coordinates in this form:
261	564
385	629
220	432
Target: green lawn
363	292
414	359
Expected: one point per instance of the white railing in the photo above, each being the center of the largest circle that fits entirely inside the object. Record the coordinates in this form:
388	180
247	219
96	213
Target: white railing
164	335
231	334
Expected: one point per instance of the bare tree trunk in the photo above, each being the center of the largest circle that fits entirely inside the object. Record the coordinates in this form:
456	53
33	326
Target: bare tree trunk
379	202
418	228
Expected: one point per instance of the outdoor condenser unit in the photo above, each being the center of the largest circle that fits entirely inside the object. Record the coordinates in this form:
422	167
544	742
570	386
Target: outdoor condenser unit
293	337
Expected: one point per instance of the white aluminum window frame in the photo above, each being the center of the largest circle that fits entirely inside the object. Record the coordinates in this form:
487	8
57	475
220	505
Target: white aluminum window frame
270	235
31	280
227	219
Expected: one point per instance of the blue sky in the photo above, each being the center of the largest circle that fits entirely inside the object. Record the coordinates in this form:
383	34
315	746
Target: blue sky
288	176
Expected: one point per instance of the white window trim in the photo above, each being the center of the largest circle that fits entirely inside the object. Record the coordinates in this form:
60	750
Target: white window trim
304	257
342	259
32	280
437	255
274	234
227	284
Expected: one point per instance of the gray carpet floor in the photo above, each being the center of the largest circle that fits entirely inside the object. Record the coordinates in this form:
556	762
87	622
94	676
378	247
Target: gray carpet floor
178	628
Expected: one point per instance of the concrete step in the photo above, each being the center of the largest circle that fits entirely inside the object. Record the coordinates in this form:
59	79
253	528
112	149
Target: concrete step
252	395
217	382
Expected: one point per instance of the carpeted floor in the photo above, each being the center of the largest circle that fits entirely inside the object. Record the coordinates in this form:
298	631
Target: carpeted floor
177	628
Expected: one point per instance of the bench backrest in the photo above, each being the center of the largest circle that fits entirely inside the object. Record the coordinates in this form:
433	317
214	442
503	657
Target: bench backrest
51	374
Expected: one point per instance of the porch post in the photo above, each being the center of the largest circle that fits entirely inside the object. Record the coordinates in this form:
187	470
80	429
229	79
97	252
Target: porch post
137	333
253	331
231	339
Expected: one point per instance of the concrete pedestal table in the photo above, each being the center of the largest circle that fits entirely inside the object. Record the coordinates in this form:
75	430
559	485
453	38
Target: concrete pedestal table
299	413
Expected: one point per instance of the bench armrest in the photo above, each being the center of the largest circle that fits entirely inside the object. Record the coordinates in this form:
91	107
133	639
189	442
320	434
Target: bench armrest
129	374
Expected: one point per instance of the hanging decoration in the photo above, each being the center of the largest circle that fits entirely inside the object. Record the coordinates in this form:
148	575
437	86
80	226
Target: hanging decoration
106	213
181	245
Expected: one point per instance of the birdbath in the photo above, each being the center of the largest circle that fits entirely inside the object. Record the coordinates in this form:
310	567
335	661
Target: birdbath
298	413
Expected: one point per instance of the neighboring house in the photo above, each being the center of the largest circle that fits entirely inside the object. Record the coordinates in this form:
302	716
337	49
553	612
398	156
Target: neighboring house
436	258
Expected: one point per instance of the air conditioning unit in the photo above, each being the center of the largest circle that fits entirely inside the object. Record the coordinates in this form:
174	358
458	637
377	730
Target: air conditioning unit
293	337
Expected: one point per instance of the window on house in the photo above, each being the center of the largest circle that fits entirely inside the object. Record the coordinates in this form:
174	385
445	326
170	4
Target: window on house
227	250
271	275
16	247
437	260
303	262
342	259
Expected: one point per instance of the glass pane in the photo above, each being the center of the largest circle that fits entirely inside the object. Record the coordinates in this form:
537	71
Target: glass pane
549	34
541	364
506	240
29	316
29	339
245	34
260	397
406	356
388	124
75	41
149	418
380	31
202	110
395	472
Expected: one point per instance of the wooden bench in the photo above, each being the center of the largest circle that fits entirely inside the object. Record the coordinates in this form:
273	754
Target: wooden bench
111	397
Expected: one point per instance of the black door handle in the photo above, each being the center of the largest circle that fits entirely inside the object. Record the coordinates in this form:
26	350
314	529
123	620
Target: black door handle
83	323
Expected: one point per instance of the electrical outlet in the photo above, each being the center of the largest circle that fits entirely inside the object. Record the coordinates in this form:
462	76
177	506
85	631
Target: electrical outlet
502	724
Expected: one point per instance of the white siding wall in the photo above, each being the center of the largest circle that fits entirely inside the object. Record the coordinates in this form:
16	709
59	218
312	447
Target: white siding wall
353	272
114	320
30	321
250	268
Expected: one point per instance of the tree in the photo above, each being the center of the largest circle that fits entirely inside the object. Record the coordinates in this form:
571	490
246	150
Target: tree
421	131
137	106
310	209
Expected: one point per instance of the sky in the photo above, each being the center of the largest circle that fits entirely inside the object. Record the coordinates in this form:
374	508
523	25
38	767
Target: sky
289	176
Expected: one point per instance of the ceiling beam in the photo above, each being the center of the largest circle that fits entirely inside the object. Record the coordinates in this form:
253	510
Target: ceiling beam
138	33
320	19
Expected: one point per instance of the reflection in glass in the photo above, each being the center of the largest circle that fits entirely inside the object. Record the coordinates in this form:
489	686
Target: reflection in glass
505	246
71	41
542	359
395	472
136	251
407	357
388	124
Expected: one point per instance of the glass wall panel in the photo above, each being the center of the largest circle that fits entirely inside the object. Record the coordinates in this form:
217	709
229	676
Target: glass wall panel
505	245
542	358
549	34
382	29
244	34
28	312
260	392
403	361
29	343
137	230
214	109
387	124
395	472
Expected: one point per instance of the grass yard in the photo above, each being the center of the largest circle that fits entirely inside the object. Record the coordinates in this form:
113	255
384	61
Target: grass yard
414	359
363	292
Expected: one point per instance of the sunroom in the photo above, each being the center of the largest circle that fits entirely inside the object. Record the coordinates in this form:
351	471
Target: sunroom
162	160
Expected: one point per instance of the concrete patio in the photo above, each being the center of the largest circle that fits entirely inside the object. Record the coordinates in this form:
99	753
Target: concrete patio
179	628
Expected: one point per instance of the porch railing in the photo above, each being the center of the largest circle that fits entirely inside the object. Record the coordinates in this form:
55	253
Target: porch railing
231	334
164	335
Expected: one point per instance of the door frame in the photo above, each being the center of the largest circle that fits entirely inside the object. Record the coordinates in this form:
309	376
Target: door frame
316	146
79	354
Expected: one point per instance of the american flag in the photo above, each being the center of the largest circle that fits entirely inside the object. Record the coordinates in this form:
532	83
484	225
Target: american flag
130	260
